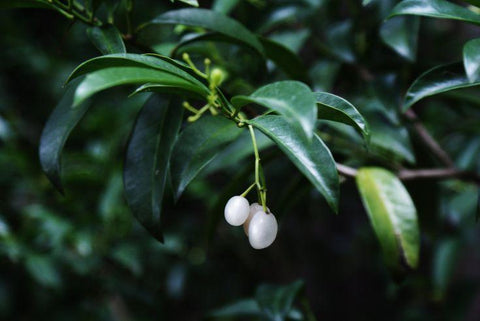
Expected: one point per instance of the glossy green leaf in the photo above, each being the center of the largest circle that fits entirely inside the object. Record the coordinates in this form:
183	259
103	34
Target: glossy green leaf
285	59
111	77
471	59
335	108
154	62
107	39
246	307
436	81
401	34
147	156
292	99
311	157
211	20
436	9
276	301
197	146
56	131
392	214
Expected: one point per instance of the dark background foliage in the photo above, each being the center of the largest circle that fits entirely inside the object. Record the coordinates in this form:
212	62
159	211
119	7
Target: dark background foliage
82	256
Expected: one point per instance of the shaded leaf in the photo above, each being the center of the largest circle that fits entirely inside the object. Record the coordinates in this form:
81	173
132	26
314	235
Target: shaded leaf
285	59
224	6
197	146
332	107
8	4
436	9
107	39
444	262
437	80
292	99
211	20
311	157
276	301
471	59
392	214
56	131
246	307
193	3
147	157
155	63
401	34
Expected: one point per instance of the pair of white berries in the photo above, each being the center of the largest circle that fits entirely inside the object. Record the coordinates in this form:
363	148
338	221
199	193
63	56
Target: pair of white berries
260	227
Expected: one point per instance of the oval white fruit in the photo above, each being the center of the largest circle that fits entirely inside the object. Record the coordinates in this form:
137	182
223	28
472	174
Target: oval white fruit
254	208
237	210
262	230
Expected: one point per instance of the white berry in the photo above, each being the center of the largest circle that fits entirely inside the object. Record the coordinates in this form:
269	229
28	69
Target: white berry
262	230
237	210
254	208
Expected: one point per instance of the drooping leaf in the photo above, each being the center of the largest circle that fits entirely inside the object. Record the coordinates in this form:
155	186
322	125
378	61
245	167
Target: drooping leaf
311	157
292	99
436	9
56	131
107	39
147	157
332	107
154	62
111	77
392	215
197	146
285	59
401	34
211	20
437	80
471	59
276	301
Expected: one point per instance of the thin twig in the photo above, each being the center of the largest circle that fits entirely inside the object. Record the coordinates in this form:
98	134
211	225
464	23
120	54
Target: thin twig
414	174
428	140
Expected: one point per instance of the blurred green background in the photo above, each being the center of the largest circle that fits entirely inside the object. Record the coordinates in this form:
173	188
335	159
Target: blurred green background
82	256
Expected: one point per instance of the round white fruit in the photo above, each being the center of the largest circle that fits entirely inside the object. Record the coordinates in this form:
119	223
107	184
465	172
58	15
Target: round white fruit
254	208
262	230
237	210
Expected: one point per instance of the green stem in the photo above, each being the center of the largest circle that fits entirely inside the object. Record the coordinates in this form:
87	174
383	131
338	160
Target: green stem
248	189
260	188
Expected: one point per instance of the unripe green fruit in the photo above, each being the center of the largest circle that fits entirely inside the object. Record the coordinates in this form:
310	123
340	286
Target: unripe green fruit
217	76
237	210
262	230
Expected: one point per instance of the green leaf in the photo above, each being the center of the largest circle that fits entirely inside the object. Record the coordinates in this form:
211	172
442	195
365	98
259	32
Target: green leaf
211	20
55	133
245	307
436	9
292	99
193	3
224	6
155	63
332	107
401	34
197	146
112	77
107	39
285	59
473	2
437	80
9	4
311	157
471	59
444	262
147	157
392	214
276	301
